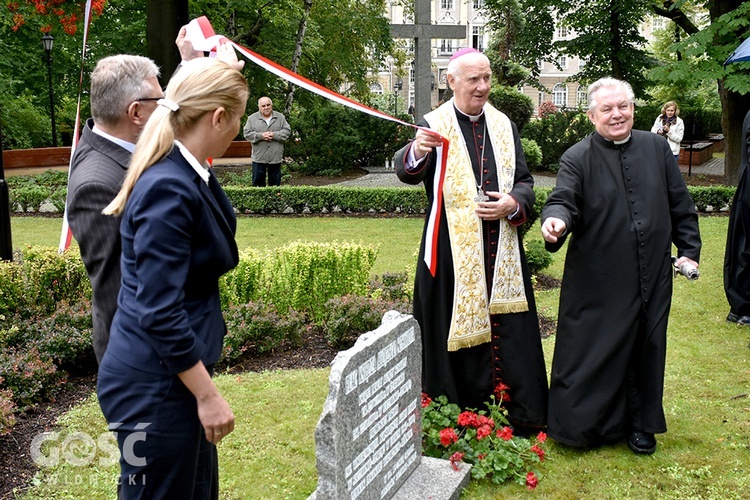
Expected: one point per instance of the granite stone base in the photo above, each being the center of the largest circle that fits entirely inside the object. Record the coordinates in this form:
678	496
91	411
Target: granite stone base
435	479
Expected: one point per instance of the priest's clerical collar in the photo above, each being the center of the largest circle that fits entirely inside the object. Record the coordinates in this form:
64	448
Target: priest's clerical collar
616	143
624	140
464	116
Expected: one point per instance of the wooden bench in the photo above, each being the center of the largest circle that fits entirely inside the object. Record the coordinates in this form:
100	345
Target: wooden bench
60	156
696	154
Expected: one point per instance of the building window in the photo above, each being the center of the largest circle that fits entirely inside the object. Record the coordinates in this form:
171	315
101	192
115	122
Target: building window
446	4
477	37
560	95
561	32
478	4
541	99
446	46
376	88
582	98
581	63
657	23
562	61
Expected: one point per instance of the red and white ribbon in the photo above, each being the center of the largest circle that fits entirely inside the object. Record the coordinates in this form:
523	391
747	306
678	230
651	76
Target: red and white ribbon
203	37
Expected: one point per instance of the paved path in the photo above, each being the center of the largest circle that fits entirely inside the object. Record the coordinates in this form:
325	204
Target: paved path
387	178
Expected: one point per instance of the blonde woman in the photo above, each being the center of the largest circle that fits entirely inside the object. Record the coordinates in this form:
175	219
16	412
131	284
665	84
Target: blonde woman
670	126
177	231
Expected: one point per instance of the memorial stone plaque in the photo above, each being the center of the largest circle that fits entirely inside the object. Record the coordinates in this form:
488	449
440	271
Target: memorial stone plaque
369	436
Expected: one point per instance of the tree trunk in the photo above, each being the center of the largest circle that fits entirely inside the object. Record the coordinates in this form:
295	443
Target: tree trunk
297	53
164	18
734	106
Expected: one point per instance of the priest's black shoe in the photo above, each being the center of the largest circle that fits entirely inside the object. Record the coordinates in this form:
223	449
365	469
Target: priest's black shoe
736	318
642	442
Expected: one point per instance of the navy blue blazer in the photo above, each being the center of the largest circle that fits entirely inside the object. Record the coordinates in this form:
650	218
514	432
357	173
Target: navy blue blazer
177	240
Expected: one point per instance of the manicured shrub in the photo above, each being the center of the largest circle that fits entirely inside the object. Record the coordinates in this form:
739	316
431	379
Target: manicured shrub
533	153
537	256
256	328
331	139
51	278
300	276
31	376
349	316
556	133
391	287
516	105
64	337
716	197
7	410
13	291
28	198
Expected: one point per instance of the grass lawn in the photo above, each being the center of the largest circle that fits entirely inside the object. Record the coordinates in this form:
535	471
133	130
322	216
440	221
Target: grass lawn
271	454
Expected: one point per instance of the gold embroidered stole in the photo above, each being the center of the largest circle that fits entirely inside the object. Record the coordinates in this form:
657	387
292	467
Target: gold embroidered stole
470	320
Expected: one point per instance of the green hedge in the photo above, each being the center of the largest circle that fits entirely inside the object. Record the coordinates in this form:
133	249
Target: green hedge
357	200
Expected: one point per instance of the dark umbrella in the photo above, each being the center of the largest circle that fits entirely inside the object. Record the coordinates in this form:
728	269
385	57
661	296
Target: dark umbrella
742	53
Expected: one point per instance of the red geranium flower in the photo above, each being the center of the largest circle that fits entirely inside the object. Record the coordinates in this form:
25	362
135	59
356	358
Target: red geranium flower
506	433
541	437
536	449
425	400
483	432
467	419
501	392
448	436
531	480
484	420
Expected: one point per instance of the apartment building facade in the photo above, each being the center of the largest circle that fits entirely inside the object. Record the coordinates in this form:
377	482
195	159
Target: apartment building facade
470	13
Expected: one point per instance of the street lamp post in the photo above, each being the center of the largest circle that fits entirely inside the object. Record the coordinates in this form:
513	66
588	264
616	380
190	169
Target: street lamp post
6	245
47	42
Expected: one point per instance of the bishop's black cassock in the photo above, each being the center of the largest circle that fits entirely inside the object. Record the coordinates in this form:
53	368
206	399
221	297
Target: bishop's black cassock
514	355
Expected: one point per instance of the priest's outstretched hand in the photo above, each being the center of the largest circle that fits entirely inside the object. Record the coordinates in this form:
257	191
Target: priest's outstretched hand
552	229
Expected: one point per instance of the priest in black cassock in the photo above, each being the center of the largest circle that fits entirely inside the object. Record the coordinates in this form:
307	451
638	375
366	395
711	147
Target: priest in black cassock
737	254
473	297
622	201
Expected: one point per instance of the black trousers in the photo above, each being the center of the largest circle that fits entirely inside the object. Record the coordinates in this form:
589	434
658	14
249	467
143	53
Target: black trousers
259	174
163	449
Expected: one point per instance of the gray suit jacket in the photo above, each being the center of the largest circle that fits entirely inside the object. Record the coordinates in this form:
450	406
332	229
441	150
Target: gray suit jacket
98	168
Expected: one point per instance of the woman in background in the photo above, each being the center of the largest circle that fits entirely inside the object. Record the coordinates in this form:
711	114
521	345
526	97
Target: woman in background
177	230
669	125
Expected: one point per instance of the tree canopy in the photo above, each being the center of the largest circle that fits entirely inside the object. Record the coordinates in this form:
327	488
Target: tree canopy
345	43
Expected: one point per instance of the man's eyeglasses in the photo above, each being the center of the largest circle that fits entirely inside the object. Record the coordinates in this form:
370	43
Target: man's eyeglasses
149	98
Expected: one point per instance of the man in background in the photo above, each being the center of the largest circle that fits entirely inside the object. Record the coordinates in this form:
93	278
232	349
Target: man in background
124	91
267	130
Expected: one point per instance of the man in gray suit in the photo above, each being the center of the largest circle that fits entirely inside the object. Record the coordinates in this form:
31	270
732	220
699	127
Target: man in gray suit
124	91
